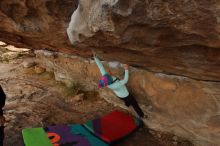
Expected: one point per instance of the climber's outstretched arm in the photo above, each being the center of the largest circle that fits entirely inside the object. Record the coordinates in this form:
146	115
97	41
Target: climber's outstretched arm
125	80
100	65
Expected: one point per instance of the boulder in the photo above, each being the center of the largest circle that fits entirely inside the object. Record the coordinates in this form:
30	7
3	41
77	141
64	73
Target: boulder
186	107
173	37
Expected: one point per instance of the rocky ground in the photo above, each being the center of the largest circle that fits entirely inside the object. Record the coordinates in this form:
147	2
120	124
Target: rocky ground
35	99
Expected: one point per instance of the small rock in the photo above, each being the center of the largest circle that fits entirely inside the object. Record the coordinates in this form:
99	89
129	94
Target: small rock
79	98
28	63
158	135
59	76
39	70
152	132
76	99
175	143
175	138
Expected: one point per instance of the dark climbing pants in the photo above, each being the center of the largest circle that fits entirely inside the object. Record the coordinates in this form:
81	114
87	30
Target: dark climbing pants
131	101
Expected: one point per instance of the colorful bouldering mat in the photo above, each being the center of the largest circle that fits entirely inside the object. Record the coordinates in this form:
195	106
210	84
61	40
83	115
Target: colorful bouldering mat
98	132
114	126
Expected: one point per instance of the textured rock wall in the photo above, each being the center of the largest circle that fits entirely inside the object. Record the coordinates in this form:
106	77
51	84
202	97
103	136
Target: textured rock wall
186	107
36	23
175	37
179	37
165	37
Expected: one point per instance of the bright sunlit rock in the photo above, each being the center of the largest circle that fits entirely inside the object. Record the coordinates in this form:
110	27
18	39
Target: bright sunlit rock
2	43
15	49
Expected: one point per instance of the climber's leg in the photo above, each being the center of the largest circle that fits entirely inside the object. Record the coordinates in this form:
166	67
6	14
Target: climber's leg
130	100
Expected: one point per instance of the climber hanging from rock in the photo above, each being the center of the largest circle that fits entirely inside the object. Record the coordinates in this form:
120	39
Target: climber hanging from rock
118	86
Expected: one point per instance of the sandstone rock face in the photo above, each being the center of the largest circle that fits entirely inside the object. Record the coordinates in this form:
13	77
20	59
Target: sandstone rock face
185	107
179	37
175	37
167	38
36	24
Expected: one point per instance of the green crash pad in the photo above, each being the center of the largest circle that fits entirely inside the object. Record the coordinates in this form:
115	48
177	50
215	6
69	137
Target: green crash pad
35	137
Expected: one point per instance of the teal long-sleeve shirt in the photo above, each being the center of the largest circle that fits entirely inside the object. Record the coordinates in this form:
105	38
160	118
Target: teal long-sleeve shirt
118	87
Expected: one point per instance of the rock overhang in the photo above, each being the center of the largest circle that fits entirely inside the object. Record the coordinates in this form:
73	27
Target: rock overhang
180	37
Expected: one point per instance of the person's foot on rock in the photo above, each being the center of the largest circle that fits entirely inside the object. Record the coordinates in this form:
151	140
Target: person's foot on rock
144	117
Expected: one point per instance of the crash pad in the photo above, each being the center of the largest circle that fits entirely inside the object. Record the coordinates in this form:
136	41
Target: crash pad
114	126
102	131
35	137
72	135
